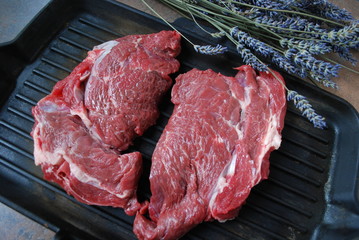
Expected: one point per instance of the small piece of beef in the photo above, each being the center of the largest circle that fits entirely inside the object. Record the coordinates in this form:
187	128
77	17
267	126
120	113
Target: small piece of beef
94	113
214	149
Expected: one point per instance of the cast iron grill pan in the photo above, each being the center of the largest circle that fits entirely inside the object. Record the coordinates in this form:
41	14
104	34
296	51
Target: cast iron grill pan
306	173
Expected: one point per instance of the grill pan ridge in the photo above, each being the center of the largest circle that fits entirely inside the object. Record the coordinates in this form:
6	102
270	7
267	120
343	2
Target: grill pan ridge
312	190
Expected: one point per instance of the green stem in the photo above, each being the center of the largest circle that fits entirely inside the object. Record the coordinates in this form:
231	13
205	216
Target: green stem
194	20
288	29
169	24
348	68
309	39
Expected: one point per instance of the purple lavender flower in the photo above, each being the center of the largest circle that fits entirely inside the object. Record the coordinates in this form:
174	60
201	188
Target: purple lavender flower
321	7
306	60
287	22
293	23
345	53
329	84
249	13
253	43
323	80
318	70
287	65
250	59
210	50
329	10
301	103
347	36
218	34
312	47
265	3
289	3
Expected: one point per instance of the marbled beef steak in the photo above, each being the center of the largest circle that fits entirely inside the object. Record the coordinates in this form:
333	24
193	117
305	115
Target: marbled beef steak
95	113
214	149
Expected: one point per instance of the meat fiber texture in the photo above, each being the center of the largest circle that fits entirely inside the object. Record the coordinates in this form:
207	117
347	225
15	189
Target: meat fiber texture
94	114
214	149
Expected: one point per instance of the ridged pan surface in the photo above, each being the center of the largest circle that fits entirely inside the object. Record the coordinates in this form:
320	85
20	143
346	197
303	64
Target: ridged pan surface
289	205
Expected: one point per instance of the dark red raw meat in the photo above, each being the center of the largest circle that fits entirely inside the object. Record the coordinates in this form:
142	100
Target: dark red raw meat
214	149
94	113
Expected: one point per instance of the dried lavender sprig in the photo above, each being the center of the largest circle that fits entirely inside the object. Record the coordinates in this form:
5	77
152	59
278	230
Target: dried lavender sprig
266	51
288	22
321	7
249	13
310	29
318	70
250	59
218	34
280	60
347	36
292	24
253	43
240	11
311	46
328	10
210	50
345	53
267	4
323	80
292	3
285	64
330	84
306	60
290	11
306	109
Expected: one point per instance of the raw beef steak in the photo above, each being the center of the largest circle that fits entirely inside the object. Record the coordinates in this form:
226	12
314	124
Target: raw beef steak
94	113
214	149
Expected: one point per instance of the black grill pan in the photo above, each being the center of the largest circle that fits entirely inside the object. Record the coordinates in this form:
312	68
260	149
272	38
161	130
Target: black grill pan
312	190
